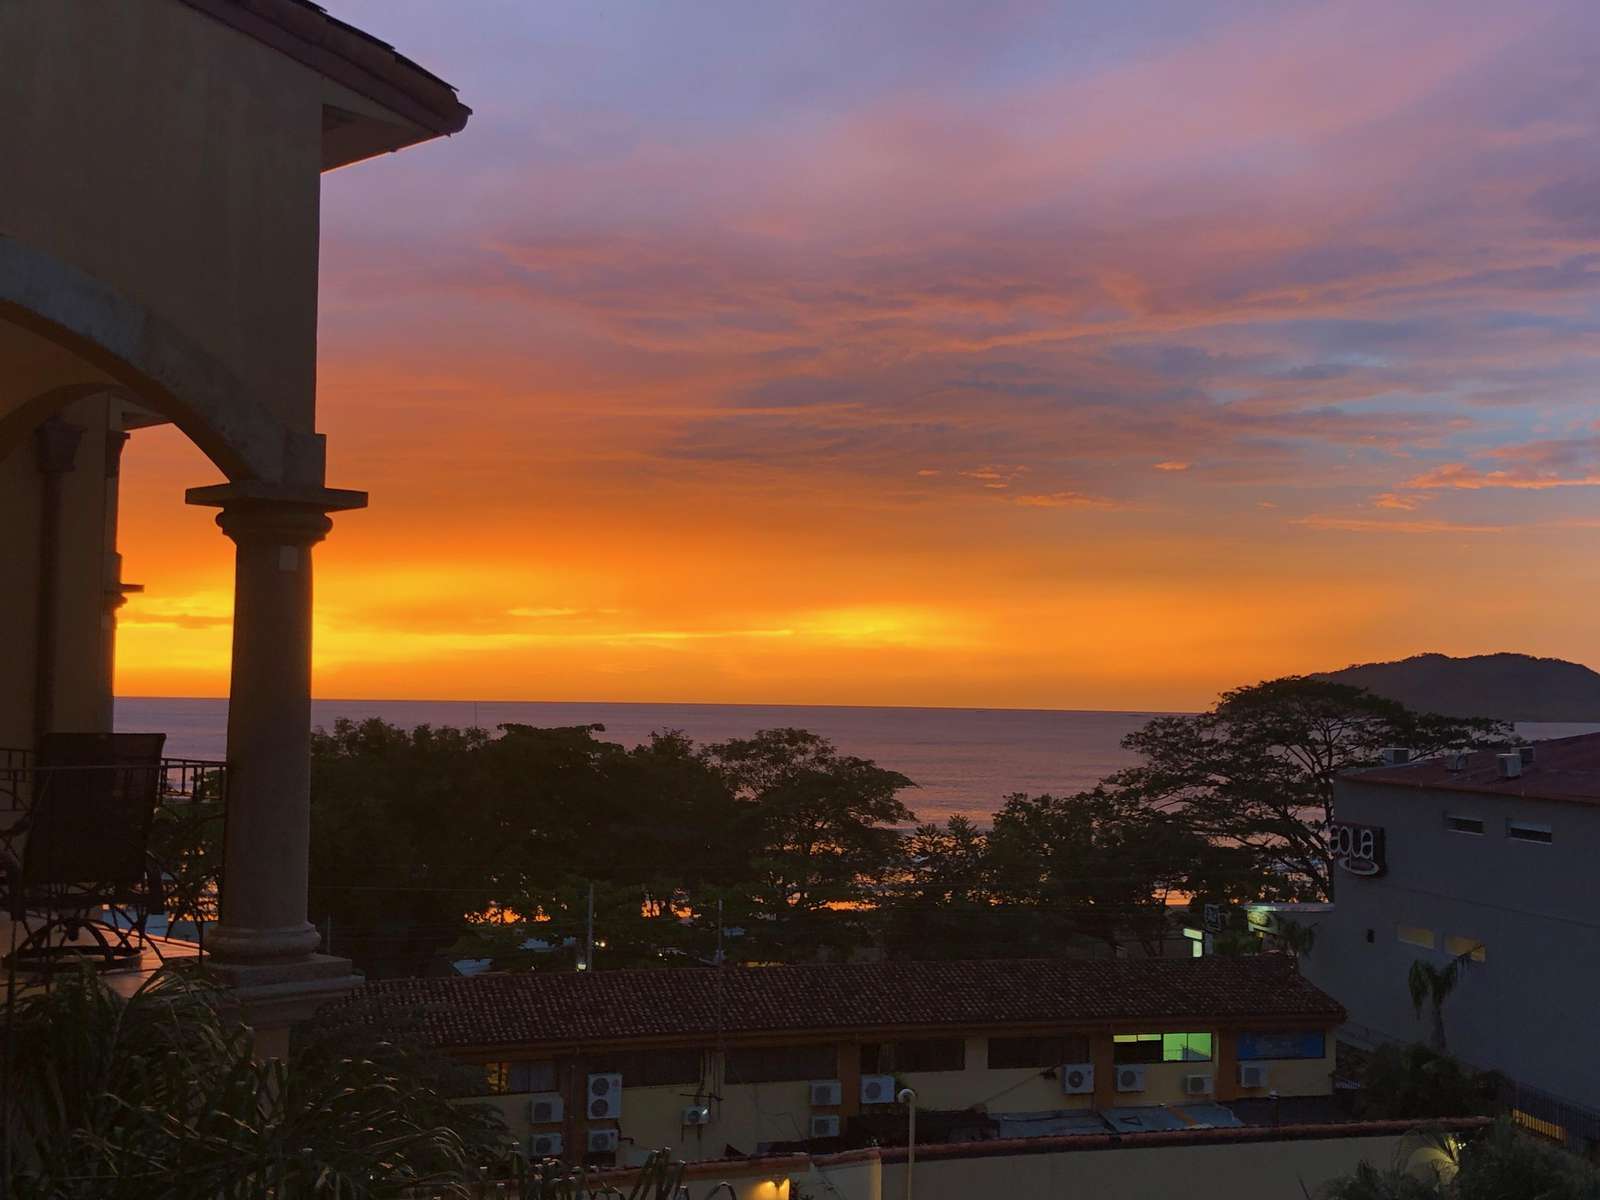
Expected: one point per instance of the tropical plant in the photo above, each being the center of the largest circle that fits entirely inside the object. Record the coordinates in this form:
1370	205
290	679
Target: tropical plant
1501	1163
1431	986
1415	1082
158	1096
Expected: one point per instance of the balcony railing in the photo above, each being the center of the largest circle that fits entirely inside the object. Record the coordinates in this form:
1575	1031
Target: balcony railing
185	837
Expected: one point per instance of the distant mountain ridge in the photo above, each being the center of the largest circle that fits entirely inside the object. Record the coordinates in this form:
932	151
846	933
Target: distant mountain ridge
1509	687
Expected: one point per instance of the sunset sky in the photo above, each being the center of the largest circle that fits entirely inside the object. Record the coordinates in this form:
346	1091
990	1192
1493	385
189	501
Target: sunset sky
1089	355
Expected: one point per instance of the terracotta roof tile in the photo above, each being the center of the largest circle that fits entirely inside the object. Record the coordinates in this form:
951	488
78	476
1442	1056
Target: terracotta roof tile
521	1009
1563	769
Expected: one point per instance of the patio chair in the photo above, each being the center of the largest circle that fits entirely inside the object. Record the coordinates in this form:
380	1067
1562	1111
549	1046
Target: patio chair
83	866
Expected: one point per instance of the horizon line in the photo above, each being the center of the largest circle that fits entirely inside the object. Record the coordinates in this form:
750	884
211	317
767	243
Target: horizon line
1131	712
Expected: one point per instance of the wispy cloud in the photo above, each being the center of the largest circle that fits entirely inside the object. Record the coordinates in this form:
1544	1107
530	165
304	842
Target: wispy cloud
1371	525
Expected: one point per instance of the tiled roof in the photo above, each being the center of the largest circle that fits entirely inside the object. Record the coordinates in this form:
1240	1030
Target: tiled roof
522	1009
1563	769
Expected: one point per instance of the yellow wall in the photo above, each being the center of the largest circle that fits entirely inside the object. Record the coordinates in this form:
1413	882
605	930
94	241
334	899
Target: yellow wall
751	1115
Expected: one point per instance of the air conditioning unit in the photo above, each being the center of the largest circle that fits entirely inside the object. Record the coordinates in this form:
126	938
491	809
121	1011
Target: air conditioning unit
1077	1079
1394	756
877	1089
605	1096
824	1125
697	1114
826	1093
1252	1075
1130	1079
603	1141
1510	765
1197	1085
1457	760
546	1109
544	1145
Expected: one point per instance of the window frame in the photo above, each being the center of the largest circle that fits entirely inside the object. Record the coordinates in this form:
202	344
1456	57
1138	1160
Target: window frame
1400	932
1534	833
654	1067
1454	822
1161	1048
775	1070
1049	1050
899	1058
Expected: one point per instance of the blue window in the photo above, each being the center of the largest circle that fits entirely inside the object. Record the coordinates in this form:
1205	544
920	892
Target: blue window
1297	1043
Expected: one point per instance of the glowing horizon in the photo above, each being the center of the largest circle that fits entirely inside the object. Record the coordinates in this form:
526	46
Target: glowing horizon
965	356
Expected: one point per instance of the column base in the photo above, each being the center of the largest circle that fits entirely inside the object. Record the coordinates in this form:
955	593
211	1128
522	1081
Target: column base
272	996
246	946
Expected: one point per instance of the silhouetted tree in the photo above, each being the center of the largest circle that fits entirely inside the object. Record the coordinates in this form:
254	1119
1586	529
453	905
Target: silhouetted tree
821	826
1256	772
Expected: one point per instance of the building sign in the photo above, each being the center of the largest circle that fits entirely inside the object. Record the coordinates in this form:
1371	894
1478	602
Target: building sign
1253	1047
1357	848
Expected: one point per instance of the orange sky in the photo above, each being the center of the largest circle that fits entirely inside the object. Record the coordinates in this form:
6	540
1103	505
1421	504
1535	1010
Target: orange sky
732	360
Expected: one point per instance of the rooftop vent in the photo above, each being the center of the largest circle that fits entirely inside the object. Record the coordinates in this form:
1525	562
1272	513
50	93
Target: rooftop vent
1394	756
1456	760
1526	754
1510	765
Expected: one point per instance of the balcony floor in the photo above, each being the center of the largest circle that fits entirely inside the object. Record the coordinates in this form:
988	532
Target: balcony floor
123	977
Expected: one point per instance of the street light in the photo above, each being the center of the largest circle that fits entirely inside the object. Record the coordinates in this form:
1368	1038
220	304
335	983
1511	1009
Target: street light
909	1099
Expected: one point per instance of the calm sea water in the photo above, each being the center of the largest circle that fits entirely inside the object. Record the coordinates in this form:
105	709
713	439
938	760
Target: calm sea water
963	760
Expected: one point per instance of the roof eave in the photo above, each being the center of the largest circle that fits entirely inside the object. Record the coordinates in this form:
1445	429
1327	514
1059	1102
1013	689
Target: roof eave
357	60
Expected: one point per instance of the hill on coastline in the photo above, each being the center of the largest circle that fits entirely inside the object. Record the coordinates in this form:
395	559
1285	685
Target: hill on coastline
1510	687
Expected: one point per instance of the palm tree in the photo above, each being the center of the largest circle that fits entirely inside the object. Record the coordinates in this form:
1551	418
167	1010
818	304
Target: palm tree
1432	985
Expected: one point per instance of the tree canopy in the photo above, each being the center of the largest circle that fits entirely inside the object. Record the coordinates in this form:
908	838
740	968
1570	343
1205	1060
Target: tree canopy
778	847
1257	770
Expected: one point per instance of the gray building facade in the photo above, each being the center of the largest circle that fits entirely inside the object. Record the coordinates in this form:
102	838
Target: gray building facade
1479	856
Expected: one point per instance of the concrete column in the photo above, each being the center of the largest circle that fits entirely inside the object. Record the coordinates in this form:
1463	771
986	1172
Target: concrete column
266	856
263	943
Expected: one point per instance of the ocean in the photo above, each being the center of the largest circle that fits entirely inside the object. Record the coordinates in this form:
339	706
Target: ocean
963	760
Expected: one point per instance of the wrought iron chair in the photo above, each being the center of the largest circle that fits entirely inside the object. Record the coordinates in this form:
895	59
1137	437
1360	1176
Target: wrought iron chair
85	847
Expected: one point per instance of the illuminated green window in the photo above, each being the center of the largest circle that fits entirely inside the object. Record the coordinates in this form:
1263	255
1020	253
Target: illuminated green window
1160	1047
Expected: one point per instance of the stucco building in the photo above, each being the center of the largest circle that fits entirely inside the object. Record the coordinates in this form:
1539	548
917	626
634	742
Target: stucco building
158	263
605	1066
1489	856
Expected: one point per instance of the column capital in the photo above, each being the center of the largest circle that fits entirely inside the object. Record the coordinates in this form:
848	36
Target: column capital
284	513
261	493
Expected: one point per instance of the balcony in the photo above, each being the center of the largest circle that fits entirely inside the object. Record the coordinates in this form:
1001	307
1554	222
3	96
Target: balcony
184	851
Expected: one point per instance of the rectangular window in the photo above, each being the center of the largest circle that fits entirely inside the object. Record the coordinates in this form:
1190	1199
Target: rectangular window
1413	935
1527	831
533	1077
781	1064
923	1054
497	1078
651	1068
1278	1045
1457	824
1456	945
1037	1052
1160	1047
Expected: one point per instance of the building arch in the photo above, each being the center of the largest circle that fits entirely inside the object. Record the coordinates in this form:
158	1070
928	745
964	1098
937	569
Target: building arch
152	362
